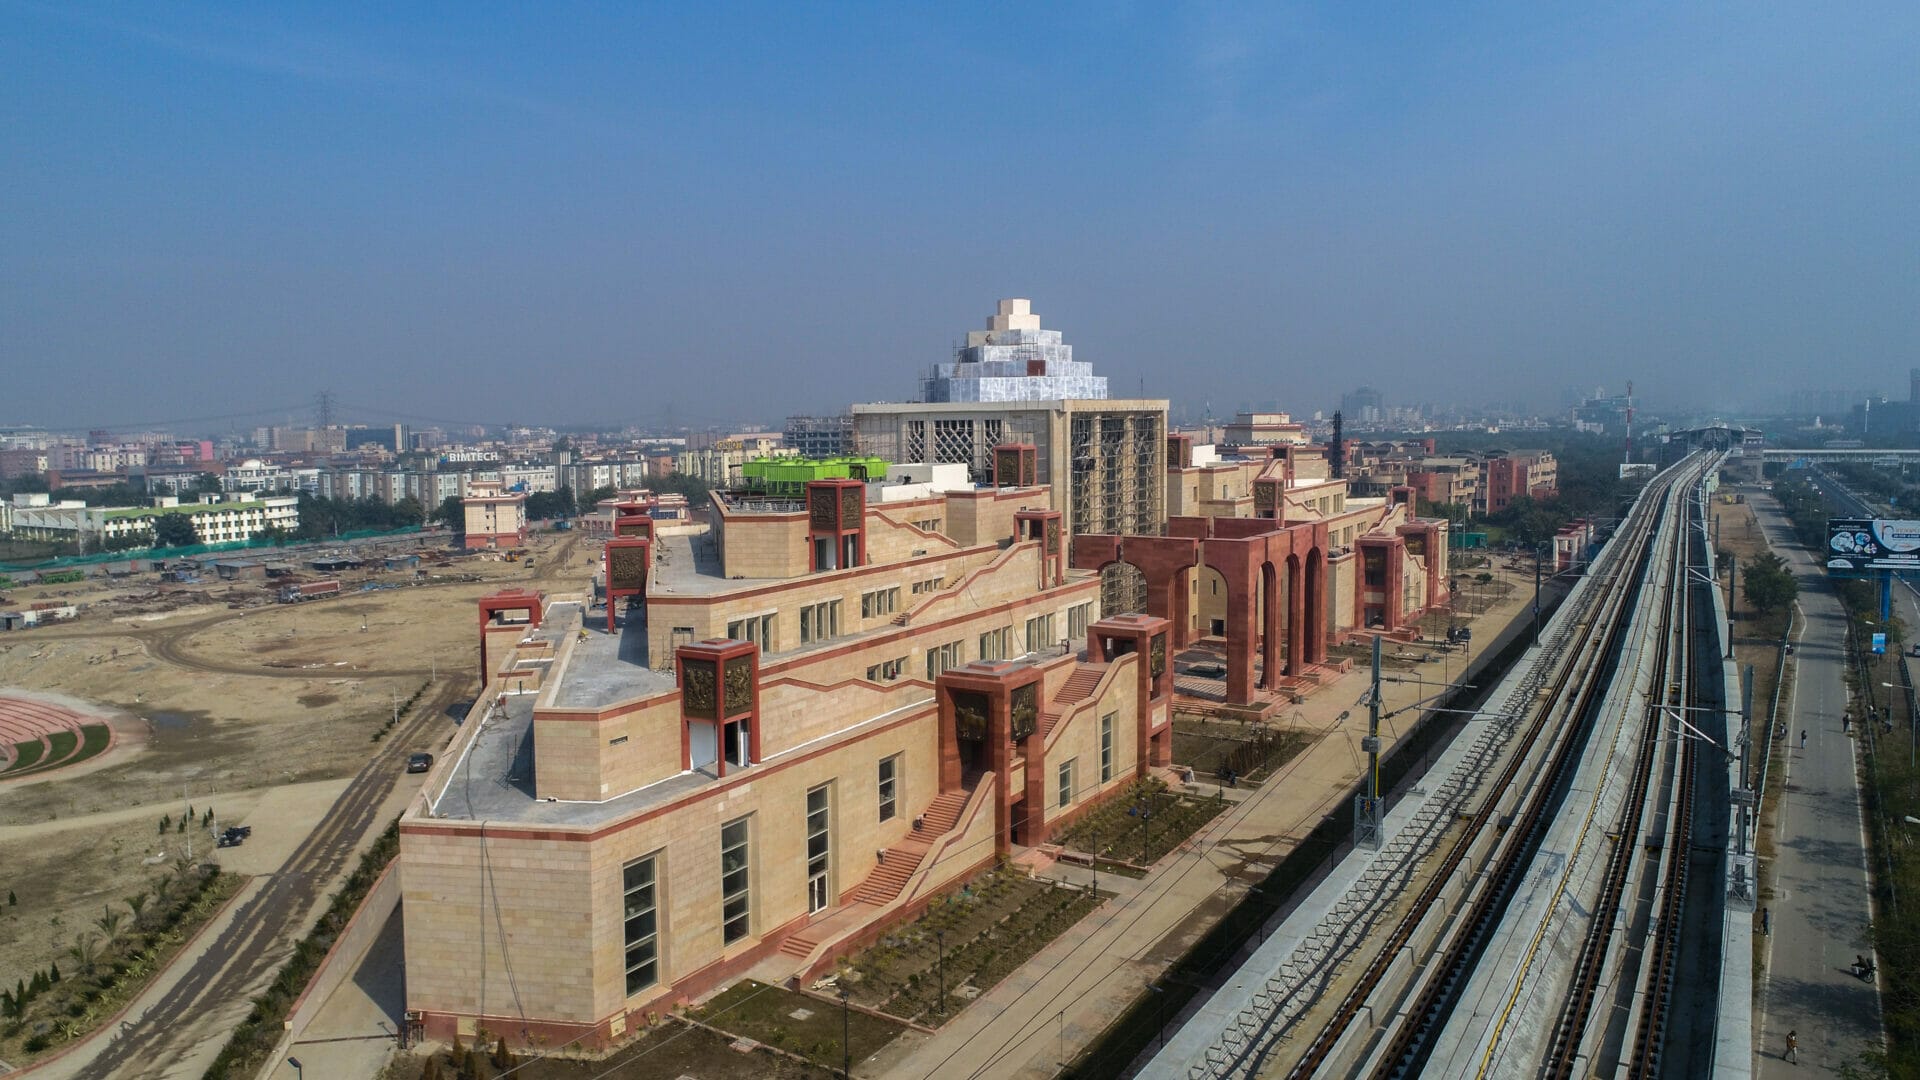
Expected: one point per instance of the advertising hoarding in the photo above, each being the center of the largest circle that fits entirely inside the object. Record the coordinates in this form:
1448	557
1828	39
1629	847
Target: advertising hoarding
1858	545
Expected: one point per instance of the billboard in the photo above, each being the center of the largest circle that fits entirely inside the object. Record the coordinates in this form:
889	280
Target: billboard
1856	545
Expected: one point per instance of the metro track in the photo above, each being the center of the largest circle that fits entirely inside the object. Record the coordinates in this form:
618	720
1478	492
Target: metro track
1472	845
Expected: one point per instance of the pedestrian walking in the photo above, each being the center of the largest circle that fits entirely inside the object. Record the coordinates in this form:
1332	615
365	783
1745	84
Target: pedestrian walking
1793	1048
1846	722
1766	922
1803	738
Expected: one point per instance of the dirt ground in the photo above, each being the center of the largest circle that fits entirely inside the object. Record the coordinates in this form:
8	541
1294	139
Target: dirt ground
212	706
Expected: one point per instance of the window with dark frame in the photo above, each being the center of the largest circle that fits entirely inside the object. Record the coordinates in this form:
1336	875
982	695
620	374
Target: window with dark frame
889	787
642	933
735	894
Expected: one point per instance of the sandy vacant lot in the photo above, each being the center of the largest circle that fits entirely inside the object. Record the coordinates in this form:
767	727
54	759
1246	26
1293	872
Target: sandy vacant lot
215	706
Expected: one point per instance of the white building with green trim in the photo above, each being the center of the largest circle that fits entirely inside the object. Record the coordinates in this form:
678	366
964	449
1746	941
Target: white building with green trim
216	520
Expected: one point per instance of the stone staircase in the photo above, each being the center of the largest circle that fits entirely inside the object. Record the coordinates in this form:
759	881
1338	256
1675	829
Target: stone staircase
799	946
900	862
1078	687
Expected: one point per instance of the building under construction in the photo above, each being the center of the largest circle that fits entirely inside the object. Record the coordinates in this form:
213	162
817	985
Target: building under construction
1104	458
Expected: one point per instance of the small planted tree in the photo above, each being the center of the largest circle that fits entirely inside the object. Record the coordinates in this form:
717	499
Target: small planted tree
84	949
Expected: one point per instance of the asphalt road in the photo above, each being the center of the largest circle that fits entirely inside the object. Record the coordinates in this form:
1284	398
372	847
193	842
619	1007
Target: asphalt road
1820	906
228	969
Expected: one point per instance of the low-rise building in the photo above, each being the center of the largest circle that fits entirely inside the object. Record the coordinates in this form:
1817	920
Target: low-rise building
495	517
215	520
775	740
1254	429
1531	473
254	474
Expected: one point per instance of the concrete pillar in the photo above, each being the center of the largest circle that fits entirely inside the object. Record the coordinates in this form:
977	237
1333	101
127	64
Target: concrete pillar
1396	564
1296	617
1241	631
1316	582
1273	625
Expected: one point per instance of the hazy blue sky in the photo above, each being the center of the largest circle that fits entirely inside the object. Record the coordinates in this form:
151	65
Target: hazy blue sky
566	213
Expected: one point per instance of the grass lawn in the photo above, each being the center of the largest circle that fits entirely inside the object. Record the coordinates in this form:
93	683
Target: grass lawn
26	754
795	1022
1253	751
67	749
61	743
984	931
1141	824
93	739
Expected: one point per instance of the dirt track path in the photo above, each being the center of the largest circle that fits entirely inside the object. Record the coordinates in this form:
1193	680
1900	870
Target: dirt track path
168	643
229	968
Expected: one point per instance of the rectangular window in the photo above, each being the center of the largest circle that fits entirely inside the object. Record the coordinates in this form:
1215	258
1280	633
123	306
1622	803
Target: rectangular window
994	643
942	657
889	787
1066	782
1078	618
819	849
888	671
755	628
1039	632
642	925
819	622
1106	748
879	602
736	906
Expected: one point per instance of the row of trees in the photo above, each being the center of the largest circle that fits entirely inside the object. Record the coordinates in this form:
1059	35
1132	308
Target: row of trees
322	517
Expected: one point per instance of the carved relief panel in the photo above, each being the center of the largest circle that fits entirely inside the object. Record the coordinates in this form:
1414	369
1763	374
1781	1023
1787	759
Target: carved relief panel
820	507
699	690
970	715
1026	710
627	567
739	688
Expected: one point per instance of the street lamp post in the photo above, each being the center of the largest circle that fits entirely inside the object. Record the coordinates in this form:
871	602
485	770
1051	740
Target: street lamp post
1911	759
846	1037
940	937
